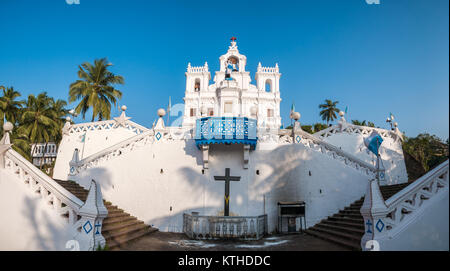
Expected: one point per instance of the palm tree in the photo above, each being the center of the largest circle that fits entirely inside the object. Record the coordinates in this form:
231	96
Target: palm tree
38	122
329	110
95	89
9	106
59	111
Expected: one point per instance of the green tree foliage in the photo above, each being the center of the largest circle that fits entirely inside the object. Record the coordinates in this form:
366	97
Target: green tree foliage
9	106
329	110
95	89
363	123
428	149
307	128
39	122
311	128
319	126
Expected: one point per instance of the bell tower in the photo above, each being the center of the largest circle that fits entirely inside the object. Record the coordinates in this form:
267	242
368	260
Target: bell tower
197	78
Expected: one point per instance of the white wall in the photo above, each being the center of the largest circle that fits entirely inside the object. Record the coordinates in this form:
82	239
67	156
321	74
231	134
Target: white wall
94	142
27	222
391	153
427	231
133	181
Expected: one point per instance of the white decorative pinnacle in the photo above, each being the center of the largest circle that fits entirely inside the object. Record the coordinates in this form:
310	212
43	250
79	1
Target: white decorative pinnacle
342	122
66	127
121	121
93	206
160	123
5	142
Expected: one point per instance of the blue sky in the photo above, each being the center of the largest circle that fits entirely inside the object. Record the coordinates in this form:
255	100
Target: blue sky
375	59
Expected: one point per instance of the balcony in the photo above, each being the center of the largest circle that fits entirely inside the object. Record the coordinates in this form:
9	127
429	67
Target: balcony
226	130
224	227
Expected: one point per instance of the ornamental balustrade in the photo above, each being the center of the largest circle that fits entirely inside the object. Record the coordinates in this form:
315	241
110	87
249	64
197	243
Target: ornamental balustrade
356	129
85	218
226	130
106	125
385	219
223	227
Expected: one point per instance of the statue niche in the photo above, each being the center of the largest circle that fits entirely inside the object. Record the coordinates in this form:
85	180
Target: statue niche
232	65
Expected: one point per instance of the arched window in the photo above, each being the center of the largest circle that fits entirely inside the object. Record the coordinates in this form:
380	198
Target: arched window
197	84
268	85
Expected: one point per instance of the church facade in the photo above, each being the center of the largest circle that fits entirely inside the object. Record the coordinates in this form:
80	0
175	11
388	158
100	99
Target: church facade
223	171
159	174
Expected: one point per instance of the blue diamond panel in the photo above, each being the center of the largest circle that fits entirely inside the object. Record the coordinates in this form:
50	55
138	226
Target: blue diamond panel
379	225
87	227
158	136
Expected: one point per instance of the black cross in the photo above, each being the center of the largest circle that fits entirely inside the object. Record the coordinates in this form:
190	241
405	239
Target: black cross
227	178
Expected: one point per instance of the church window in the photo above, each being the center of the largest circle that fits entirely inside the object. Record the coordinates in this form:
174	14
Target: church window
193	112
228	108
269	113
268	85
197	84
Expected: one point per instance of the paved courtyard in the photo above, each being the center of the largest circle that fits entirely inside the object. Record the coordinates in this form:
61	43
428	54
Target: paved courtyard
180	242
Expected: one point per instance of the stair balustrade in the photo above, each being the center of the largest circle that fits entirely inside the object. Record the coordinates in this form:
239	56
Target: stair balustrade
385	219
85	218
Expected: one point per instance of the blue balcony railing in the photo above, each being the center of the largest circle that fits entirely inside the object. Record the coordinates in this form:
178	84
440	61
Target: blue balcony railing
225	130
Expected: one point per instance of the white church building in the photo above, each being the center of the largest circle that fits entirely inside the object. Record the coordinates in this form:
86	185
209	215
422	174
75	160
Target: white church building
226	171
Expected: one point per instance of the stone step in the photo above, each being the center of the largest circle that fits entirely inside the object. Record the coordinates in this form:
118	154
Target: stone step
352	212
123	231
357	216
117	215
346	229
115	243
116	226
334	239
118	220
119	227
345	223
347	219
344	235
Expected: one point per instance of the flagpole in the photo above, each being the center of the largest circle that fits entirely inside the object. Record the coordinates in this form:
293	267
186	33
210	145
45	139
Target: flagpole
378	162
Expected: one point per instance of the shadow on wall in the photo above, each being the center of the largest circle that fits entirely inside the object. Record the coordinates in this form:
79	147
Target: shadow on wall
100	175
284	171
45	234
191	149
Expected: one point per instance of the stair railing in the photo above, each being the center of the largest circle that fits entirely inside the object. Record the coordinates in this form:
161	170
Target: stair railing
126	146
317	144
385	219
85	218
106	125
351	128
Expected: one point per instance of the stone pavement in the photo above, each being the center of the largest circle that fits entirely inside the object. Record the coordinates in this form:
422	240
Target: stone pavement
166	241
